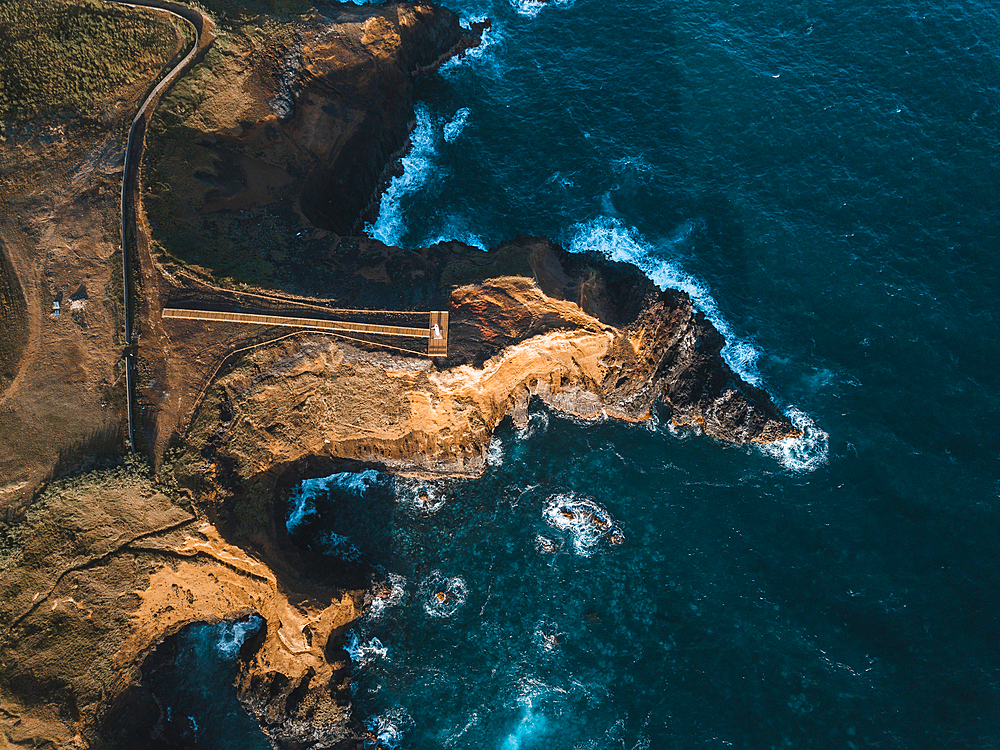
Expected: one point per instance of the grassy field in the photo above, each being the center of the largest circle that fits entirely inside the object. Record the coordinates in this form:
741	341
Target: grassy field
13	320
81	55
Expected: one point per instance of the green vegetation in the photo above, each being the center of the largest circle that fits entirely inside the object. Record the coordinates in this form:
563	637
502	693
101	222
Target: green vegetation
49	528
13	321
81	56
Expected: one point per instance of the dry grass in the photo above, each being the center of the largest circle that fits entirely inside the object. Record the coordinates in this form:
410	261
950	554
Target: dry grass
77	56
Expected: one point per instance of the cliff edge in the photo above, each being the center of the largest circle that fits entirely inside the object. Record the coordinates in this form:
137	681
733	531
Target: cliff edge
264	161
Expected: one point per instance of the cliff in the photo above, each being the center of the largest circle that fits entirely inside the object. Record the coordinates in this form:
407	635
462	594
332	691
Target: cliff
265	160
591	338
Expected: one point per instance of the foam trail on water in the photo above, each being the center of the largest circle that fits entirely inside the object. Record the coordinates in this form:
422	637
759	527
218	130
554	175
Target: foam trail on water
233	634
453	128
300	500
484	52
802	454
530	724
417	167
615	241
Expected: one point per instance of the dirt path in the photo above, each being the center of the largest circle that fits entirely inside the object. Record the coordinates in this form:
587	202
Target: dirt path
59	224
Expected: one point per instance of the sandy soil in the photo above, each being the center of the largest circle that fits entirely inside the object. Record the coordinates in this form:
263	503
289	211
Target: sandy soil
59	221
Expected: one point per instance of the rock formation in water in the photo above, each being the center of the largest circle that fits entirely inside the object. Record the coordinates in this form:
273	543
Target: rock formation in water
589	337
255	149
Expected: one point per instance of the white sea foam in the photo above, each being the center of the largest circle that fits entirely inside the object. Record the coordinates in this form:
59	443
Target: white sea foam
301	500
417	168
802	454
420	496
614	240
584	519
531	8
537	424
390	595
233	634
527	8
494	453
609	236
454	127
442	596
545	545
363	652
484	52
301	505
388	728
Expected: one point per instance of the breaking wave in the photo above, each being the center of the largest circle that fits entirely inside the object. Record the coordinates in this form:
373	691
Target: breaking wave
802	454
454	127
455	228
610	237
417	166
363	652
233	634
587	522
301	501
389	594
537	424
494	453
484	52
386	730
531	8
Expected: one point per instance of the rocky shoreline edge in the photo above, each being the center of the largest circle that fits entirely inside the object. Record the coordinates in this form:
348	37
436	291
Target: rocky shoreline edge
111	566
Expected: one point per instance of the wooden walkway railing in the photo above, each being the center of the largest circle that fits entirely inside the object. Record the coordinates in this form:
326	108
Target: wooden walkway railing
436	333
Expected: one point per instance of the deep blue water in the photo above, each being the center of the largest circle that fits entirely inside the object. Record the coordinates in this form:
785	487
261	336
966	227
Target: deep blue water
824	178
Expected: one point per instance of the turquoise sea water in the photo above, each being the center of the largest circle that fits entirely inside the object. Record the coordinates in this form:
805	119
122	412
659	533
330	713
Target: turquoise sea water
824	178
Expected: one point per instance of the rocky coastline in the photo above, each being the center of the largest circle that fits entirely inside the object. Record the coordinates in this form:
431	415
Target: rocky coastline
589	337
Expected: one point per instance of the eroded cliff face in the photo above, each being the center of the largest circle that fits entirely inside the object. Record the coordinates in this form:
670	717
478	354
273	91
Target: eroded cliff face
103	568
265	141
295	677
591	338
289	127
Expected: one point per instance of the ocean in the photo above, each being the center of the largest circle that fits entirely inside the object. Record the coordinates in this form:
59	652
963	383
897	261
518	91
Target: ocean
823	177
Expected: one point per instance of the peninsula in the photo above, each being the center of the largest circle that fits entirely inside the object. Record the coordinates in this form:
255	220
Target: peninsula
265	153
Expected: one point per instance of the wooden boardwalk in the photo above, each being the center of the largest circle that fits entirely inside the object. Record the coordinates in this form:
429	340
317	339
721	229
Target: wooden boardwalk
436	333
437	342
